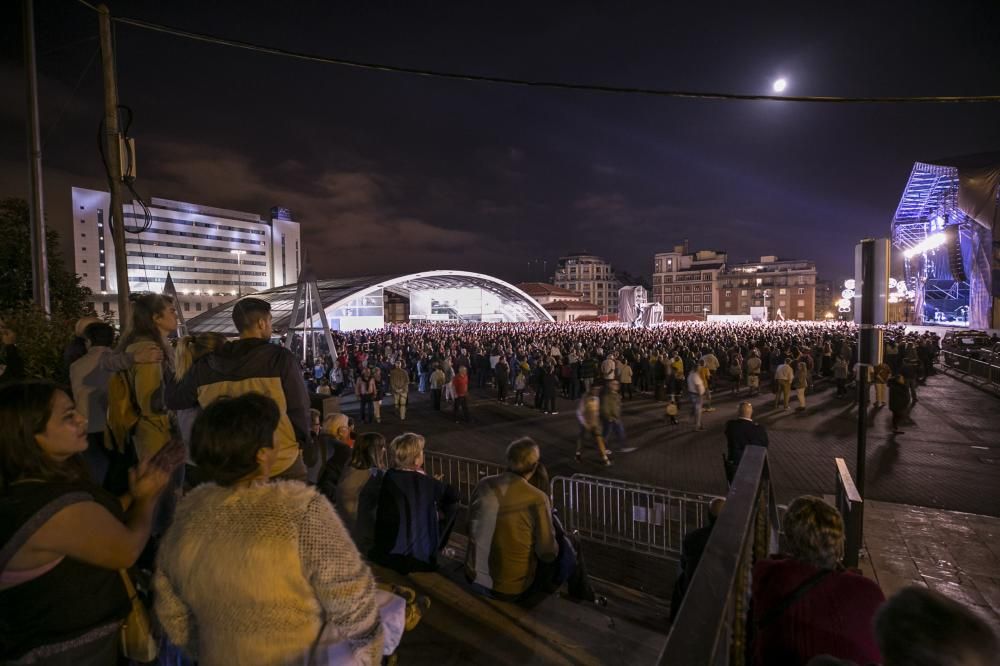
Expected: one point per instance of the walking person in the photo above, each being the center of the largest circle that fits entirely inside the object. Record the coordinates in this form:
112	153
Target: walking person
696	392
588	416
611	414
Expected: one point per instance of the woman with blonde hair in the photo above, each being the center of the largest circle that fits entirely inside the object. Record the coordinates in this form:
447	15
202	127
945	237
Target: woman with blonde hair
805	603
415	511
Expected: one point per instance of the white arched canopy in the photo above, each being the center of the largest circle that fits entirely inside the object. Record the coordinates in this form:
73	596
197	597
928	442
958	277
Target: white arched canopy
358	302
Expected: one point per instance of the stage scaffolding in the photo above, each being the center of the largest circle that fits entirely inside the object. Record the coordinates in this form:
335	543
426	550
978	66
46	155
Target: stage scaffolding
959	193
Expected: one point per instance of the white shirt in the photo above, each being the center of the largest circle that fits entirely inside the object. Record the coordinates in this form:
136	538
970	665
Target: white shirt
695	383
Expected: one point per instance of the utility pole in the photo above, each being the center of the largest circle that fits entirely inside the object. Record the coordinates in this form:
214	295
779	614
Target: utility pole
111	153
36	207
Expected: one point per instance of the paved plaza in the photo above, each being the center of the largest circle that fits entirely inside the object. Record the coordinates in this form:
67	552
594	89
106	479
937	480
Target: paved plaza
947	458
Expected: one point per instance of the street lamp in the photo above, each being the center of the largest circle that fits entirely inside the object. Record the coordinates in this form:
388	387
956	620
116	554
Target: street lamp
239	269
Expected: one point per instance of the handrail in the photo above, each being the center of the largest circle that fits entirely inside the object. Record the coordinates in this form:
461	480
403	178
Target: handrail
851	508
711	624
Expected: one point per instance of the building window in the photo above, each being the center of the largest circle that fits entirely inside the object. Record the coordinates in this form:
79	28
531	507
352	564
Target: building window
801	291
782	304
802	315
801	303
782	292
729	292
729	304
197	306
677	308
743	292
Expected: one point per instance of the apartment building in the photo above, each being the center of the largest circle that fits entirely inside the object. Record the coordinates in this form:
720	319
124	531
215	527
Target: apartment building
787	288
590	276
686	282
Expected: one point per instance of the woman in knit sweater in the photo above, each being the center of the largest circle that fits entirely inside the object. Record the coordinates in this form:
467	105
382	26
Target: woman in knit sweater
805	603
253	572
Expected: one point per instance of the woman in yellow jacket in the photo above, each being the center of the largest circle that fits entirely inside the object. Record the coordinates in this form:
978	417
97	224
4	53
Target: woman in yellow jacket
153	318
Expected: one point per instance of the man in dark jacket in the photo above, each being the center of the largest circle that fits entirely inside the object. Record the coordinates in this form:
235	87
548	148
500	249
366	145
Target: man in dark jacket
742	432
692	547
253	365
899	401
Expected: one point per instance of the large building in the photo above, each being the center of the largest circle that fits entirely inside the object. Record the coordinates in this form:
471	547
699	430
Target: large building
686	282
590	276
211	254
562	304
788	287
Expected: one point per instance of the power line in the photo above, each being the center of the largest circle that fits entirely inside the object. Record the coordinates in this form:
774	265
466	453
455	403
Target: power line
553	85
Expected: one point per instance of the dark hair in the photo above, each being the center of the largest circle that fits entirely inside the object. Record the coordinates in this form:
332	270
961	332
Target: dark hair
144	308
367	451
228	434
522	455
540	478
99	334
922	627
248	311
25	410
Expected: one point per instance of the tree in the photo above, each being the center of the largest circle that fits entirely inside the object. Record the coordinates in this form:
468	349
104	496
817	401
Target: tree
68	298
41	339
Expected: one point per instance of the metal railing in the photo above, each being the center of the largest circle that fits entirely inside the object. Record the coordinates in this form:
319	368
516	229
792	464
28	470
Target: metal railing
984	369
710	627
462	473
639	518
852	509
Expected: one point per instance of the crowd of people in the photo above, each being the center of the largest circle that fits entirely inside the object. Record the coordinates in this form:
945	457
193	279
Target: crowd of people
203	472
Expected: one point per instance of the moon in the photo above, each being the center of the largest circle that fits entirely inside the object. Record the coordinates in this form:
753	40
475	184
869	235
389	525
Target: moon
779	85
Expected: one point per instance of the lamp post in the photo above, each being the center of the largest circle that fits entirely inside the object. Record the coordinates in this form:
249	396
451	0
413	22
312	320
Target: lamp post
239	270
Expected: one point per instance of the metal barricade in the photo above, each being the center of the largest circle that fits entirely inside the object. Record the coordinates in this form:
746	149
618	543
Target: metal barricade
461	473
850	505
984	370
710	627
639	518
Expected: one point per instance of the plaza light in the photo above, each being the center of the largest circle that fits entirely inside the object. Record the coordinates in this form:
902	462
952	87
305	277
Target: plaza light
929	243
779	85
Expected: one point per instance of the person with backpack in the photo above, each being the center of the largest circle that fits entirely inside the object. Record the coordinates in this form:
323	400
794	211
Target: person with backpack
253	365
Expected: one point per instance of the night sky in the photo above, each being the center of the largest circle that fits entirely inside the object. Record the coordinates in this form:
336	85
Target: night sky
389	172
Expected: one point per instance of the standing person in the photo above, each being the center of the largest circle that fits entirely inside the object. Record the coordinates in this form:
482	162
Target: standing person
65	540
319	603
449	377
910	370
588	416
706	377
882	374
692	547
753	372
899	402
520	382
253	364
741	432
611	414
501	373
625	380
608	368
190	348
153	318
356	495
89	377
399	383
801	383
588	371
11	361
415	511
460	388
783	376
379	382
365	389
550	385
840	373
696	392
437	383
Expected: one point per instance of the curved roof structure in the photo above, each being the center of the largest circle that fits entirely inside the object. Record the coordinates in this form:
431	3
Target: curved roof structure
515	305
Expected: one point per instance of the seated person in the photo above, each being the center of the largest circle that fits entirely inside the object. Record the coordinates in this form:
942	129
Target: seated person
921	627
415	511
334	444
359	487
510	528
805	603
237	530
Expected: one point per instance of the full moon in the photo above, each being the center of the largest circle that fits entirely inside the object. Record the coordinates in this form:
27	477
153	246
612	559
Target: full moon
779	85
